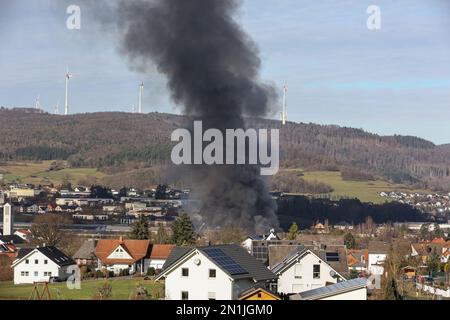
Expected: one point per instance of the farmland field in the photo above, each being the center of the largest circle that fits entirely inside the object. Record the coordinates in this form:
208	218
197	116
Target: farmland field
366	191
38	172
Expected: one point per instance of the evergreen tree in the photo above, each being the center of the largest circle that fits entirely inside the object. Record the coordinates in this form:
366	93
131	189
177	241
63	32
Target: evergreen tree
433	262
349	241
293	231
140	229
183	231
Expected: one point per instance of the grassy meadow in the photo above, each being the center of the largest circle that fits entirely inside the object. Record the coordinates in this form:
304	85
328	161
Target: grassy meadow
38	172
122	289
366	191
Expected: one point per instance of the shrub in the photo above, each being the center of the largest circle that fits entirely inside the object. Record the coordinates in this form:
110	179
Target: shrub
151	271
124	272
99	274
104	291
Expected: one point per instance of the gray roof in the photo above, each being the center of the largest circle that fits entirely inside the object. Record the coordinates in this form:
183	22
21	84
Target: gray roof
87	250
331	290
254	268
297	251
53	253
339	266
14	239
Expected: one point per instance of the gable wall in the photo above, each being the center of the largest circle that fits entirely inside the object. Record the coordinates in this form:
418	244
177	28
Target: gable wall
289	283
198	283
40	268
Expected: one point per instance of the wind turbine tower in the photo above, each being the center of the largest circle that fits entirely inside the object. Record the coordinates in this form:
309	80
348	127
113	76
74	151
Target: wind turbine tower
66	103
141	92
37	105
57	108
284	111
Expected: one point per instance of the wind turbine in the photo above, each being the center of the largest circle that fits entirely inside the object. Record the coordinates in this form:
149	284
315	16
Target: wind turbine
284	111
37	105
66	103
141	92
57	108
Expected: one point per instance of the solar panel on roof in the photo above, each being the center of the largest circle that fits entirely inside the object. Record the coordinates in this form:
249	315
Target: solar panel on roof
224	261
332	256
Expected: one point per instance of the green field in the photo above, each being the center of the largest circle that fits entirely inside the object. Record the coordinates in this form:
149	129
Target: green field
366	191
37	173
122	289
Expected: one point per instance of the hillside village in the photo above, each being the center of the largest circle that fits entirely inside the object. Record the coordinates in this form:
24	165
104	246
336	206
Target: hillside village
146	234
438	205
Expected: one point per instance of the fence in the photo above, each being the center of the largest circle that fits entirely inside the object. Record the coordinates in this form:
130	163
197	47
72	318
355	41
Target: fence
433	290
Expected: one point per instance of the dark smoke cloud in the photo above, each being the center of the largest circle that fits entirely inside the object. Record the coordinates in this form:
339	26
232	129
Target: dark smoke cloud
212	68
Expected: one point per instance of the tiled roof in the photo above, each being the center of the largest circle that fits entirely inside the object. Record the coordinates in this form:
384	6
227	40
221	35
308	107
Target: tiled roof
161	251
378	247
137	249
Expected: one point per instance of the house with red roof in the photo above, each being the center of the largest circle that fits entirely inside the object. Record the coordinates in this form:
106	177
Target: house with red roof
132	256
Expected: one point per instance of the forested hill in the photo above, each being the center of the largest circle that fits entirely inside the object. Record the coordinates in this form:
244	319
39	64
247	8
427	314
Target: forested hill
111	139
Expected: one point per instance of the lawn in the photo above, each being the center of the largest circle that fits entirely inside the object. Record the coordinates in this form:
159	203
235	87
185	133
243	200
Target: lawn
122	289
366	191
37	172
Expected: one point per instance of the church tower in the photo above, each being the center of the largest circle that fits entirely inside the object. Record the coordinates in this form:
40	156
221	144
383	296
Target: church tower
8	219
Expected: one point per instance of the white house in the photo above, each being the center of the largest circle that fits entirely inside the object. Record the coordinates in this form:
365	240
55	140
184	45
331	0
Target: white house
355	289
248	242
303	270
42	264
158	256
119	254
135	256
212	273
375	262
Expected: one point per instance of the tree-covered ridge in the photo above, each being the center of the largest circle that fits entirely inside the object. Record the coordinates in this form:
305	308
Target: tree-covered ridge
112	138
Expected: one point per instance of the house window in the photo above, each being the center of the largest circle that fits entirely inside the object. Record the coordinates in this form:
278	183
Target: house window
27	261
185	272
27	273
36	274
45	261
212	273
184	295
316	271
36	261
22	273
211	296
298	271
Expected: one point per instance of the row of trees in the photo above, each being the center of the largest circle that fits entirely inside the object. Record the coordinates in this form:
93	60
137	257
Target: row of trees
182	231
305	211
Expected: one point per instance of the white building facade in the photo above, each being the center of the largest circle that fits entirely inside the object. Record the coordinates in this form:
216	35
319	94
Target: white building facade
304	271
36	266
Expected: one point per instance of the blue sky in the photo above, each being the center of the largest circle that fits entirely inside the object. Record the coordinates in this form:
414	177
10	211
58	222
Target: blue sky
393	80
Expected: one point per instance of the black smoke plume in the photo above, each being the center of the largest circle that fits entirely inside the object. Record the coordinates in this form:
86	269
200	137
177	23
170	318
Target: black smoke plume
212	69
